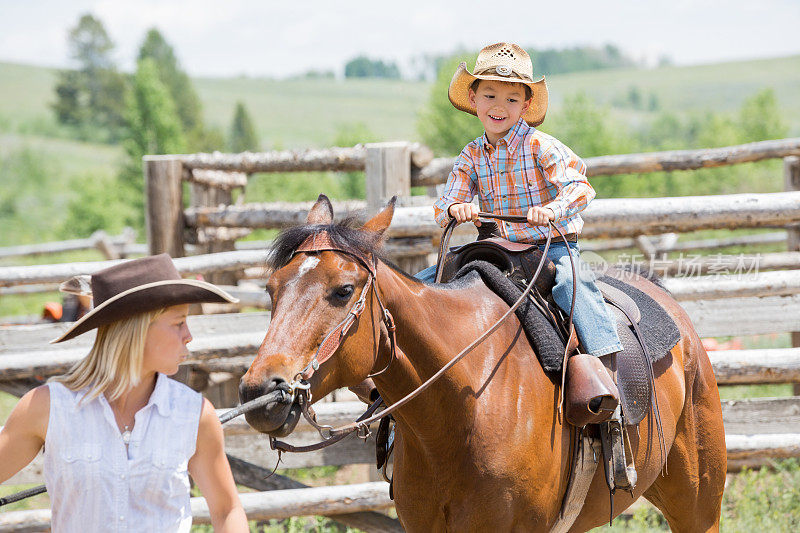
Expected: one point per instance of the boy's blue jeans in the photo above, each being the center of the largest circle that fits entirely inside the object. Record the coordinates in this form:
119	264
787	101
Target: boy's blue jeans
595	325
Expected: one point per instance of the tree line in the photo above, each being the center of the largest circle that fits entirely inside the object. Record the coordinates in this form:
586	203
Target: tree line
155	110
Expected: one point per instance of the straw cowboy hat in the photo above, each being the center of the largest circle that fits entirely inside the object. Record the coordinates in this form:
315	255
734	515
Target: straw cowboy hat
135	287
501	62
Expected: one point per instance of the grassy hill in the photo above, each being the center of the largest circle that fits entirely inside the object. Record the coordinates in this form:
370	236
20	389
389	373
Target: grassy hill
716	87
41	167
302	113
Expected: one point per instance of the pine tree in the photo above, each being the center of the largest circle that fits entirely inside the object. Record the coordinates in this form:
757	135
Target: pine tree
154	127
187	103
91	98
243	135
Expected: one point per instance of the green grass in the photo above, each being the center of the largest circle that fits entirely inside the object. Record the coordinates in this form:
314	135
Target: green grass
303	113
70	157
755	500
714	87
7	403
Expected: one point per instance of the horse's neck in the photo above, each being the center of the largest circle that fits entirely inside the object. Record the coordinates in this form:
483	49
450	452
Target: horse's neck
432	326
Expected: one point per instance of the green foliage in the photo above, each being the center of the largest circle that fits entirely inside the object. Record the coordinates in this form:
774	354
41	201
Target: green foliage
154	127
585	127
353	183
557	61
91	99
763	500
152	117
364	67
445	129
206	139
767	499
187	103
318	75
25	213
243	135
760	117
198	138
95	204
637	99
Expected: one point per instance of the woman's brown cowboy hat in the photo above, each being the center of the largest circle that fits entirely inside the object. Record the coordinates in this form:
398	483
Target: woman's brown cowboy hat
500	62
138	286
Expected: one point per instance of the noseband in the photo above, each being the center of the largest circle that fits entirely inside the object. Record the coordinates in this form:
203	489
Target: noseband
321	242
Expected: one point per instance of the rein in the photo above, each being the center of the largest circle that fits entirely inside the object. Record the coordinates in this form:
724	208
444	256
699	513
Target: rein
361	425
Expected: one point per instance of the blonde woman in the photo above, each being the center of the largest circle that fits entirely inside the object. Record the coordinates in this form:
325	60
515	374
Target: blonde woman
120	438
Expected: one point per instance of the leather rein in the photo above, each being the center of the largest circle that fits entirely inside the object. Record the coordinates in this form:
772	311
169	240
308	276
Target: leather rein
300	387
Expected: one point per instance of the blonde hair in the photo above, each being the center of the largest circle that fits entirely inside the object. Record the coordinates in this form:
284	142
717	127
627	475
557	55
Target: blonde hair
114	363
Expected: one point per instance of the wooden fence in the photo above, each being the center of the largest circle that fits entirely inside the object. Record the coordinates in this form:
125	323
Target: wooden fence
718	304
393	168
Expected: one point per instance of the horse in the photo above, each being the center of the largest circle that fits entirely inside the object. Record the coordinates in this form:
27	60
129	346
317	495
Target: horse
485	448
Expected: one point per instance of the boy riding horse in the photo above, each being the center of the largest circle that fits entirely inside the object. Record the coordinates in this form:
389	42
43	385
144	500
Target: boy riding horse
516	169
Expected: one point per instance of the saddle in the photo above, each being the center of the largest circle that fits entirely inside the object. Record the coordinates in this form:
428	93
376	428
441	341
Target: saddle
518	262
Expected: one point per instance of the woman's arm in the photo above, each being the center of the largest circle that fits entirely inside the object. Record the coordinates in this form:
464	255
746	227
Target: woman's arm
23	435
210	470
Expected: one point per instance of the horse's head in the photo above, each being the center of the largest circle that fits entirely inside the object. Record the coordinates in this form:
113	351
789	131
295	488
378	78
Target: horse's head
323	273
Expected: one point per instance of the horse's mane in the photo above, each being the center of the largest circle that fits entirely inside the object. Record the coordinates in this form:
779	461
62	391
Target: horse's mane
344	234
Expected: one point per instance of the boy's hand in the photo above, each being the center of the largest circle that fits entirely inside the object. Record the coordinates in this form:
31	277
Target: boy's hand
540	216
464	213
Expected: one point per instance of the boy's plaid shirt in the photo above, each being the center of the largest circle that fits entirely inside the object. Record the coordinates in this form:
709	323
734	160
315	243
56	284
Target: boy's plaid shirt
526	169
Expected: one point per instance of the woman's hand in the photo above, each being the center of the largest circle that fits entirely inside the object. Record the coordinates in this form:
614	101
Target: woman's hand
464	213
540	216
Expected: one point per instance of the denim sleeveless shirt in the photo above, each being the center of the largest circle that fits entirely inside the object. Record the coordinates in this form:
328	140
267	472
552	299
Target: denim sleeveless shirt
95	484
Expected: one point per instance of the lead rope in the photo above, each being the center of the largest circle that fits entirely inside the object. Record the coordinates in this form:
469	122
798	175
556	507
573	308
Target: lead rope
276	396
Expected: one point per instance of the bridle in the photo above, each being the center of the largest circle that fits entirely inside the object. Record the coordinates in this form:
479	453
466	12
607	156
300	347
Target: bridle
322	242
300	388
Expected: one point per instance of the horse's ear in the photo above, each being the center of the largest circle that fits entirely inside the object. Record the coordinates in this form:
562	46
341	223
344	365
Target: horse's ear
380	222
322	212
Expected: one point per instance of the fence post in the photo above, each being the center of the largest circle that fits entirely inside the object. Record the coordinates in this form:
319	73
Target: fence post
388	173
791	174
164	196
204	196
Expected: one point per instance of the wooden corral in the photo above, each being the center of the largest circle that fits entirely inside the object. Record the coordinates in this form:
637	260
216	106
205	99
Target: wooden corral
720	299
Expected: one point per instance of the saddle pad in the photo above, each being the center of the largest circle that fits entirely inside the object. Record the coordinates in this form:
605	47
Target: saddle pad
659	330
542	336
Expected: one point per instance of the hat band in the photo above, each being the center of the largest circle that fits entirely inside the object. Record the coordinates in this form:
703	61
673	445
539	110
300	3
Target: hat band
510	73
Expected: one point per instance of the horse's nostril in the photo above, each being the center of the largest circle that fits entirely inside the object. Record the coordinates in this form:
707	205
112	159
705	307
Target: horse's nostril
276	383
249	392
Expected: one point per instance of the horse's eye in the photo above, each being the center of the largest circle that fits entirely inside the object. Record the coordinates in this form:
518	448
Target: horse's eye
344	292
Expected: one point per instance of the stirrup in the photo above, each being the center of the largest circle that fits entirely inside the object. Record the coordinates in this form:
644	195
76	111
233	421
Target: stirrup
619	475
591	394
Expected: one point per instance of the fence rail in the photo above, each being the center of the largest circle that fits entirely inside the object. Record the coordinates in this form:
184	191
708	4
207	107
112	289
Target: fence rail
110	246
354	158
757	430
603	218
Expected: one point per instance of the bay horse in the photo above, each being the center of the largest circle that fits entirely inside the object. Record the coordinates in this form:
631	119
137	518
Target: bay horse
484	448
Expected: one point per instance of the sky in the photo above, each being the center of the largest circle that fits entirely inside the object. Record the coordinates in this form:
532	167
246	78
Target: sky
267	38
